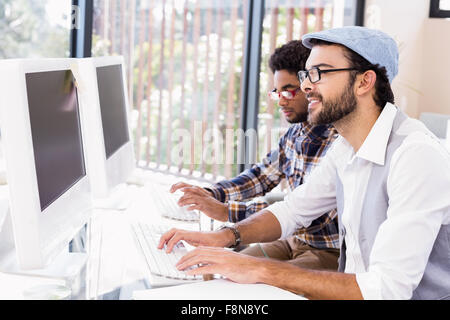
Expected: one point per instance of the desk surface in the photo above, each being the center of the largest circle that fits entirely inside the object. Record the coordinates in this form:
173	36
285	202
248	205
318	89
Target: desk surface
115	267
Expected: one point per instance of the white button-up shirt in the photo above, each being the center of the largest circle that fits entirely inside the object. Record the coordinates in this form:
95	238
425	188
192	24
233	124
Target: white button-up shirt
418	186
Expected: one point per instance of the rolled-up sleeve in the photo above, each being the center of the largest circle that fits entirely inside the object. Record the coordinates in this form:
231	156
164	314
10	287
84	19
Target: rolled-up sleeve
310	200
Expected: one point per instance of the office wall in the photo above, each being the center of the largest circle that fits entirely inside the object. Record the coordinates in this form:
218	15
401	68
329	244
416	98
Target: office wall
436	67
423	82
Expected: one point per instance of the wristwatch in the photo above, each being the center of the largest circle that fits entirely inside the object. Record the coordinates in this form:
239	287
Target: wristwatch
237	235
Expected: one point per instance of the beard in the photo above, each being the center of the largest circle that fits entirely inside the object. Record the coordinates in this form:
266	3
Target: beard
334	109
298	117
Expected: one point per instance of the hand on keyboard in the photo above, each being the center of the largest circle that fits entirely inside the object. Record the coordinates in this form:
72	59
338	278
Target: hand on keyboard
166	204
198	198
235	266
160	263
219	238
181	185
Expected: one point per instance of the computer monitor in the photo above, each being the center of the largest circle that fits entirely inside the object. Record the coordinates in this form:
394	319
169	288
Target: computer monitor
110	155
49	189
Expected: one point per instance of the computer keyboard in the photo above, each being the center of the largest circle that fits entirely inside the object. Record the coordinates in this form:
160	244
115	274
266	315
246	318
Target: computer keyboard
160	264
168	207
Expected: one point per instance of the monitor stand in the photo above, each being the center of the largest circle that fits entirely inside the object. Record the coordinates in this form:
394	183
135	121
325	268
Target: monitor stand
67	267
62	279
119	199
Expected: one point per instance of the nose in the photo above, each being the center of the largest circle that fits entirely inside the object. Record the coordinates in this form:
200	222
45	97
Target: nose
283	101
306	85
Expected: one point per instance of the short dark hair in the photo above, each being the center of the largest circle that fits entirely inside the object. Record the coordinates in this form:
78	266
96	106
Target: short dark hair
383	90
291	56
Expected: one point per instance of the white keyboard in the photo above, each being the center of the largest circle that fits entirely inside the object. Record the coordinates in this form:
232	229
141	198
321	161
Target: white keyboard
160	264
168	207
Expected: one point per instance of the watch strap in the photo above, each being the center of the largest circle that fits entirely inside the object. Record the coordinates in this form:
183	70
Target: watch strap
237	235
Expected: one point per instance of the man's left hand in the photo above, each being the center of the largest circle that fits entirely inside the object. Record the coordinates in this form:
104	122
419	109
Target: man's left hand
235	266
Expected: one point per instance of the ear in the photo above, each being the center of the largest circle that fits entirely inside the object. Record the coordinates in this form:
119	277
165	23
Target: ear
366	82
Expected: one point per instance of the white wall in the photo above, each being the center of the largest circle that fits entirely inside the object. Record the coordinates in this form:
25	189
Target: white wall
423	82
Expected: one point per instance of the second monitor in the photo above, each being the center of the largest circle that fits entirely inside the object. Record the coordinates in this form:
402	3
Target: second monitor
110	154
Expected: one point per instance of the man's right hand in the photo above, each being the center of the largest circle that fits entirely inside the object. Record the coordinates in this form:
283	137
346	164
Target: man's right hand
181	185
200	199
219	238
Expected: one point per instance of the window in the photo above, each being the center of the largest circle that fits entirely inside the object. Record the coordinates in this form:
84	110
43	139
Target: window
185	74
34	28
184	59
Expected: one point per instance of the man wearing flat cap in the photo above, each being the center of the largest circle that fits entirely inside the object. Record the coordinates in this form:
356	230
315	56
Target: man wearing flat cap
387	174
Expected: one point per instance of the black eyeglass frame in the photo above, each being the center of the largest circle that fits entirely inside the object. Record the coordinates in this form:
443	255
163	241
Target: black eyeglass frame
319	72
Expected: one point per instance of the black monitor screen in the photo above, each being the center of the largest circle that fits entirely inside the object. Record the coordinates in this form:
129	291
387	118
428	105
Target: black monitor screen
112	106
56	133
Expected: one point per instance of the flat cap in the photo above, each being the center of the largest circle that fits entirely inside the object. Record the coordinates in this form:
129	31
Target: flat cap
375	46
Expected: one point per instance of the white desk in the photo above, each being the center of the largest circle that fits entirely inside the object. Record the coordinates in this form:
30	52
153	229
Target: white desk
115	266
118	270
446	143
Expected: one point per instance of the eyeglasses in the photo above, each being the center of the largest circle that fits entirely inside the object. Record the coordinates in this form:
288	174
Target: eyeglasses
287	94
314	74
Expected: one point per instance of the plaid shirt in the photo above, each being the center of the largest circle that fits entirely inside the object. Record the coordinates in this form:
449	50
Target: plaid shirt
299	151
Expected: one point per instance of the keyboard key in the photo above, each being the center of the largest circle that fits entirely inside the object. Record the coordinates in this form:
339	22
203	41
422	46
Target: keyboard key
167	205
159	262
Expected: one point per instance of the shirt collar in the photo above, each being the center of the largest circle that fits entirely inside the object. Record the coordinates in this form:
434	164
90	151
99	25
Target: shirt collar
374	147
316	131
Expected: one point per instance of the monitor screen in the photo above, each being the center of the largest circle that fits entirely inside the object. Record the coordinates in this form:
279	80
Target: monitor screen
56	133
112	107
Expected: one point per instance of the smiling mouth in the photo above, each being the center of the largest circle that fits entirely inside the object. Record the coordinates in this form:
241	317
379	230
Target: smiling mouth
313	101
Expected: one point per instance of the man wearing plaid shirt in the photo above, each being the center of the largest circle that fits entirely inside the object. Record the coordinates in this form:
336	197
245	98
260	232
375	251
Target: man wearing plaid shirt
299	151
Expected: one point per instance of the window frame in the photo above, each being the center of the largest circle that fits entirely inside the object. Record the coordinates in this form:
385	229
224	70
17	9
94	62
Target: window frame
82	14
436	12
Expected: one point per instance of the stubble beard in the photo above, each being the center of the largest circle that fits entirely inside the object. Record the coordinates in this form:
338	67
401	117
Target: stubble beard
299	117
334	110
